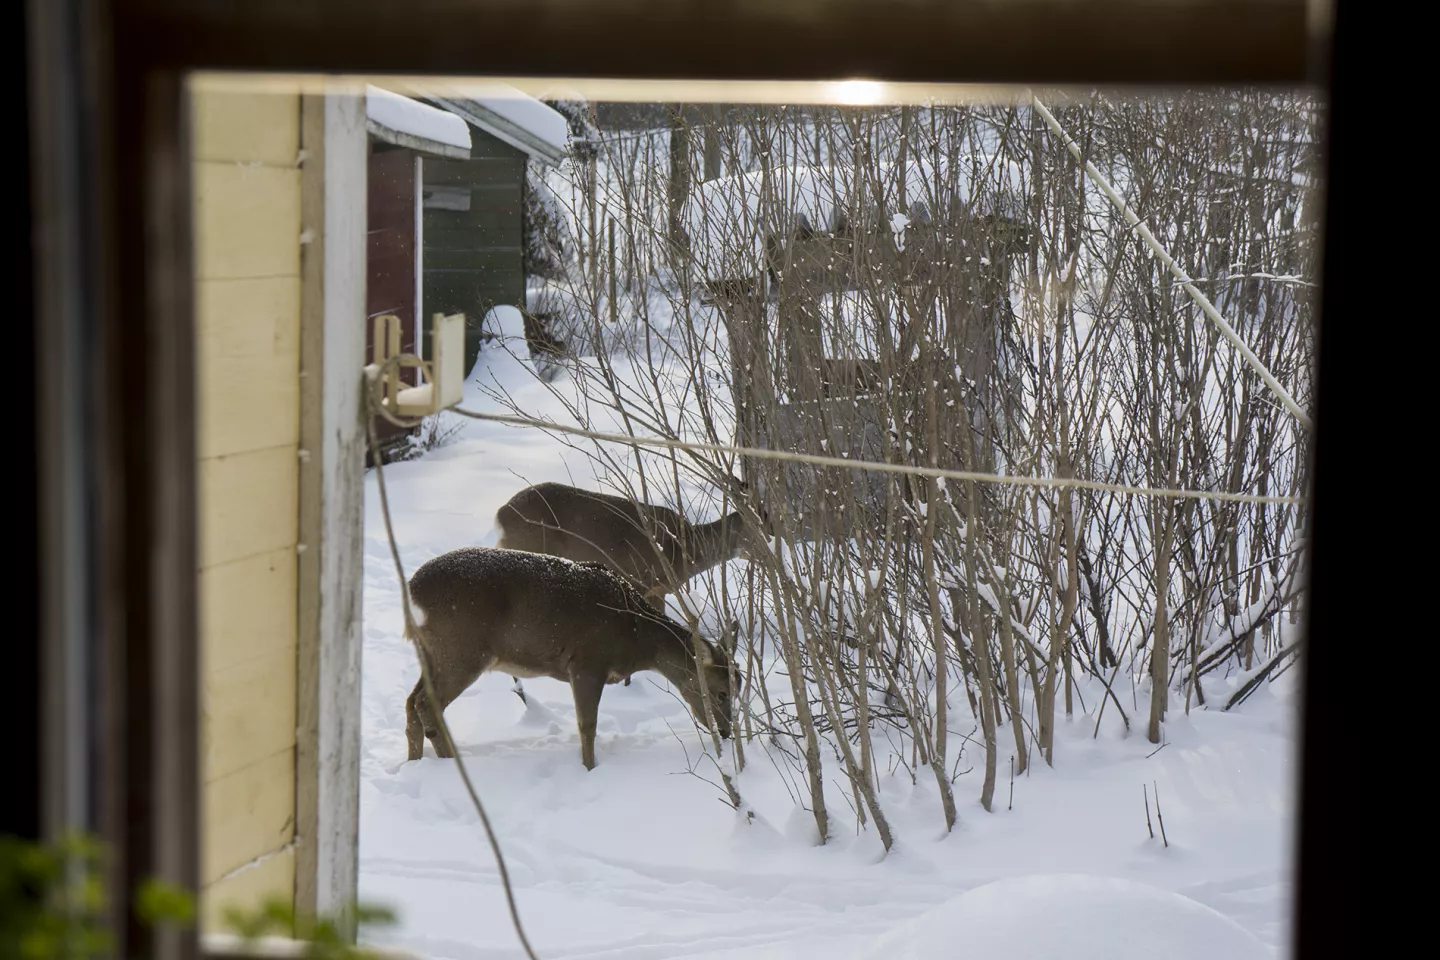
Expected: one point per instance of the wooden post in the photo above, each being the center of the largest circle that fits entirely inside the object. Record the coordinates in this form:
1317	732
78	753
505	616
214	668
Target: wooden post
628	198
714	161
592	185
630	255
679	191
647	263
614	305
581	251
332	497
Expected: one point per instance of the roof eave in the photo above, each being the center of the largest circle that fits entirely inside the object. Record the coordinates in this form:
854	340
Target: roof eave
411	141
504	129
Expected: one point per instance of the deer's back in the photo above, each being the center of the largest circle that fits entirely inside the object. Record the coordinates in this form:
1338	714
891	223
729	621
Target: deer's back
586	525
529	614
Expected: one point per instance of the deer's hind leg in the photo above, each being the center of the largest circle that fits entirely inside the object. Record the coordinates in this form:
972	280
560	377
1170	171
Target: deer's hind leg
422	721
587	690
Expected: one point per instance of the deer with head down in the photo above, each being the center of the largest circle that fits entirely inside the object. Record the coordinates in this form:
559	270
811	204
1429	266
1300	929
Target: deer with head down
480	609
656	548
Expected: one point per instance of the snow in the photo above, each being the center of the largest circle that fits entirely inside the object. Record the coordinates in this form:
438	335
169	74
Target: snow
506	324
524	111
404	115
898	223
422	396
1076	917
640	859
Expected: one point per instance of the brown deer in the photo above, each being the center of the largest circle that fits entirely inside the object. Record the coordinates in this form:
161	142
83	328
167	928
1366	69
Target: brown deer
655	547
480	609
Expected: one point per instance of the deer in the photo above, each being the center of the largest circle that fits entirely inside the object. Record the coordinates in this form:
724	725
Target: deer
654	547
483	609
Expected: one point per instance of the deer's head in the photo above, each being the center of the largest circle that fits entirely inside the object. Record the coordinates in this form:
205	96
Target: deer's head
714	673
750	540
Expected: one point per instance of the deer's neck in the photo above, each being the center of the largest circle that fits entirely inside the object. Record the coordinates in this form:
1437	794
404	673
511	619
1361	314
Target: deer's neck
709	544
675	656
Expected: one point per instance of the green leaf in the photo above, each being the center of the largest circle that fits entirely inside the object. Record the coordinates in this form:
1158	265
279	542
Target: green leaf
159	903
323	935
52	898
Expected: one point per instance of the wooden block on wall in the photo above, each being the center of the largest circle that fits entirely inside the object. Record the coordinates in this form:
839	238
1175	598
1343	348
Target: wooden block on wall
247	815
237	125
247	221
247	609
248	889
248	712
249	504
247	403
248	317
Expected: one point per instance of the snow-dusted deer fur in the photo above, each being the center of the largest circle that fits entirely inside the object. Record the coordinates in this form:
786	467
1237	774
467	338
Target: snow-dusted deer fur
480	609
655	547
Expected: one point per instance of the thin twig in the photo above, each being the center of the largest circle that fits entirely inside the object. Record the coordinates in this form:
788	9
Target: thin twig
1160	816
1164	256
877	466
432	702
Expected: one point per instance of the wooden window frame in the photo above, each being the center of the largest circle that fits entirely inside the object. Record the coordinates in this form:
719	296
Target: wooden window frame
111	294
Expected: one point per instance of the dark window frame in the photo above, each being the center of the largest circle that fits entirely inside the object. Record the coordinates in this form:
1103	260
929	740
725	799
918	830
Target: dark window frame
110	204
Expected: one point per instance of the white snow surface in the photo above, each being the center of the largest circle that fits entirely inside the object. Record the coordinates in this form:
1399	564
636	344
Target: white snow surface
415	118
507	325
522	110
1074	916
641	860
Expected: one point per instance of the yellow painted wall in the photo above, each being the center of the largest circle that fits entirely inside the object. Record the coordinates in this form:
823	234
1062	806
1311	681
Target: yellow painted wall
247	265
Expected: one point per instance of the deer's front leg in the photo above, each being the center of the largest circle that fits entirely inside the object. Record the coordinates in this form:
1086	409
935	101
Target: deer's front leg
587	691
414	726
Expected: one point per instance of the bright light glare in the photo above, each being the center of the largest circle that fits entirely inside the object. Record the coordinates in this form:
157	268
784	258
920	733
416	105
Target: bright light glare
858	92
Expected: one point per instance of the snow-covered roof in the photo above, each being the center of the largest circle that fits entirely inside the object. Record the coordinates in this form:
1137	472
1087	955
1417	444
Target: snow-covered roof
409	123
513	117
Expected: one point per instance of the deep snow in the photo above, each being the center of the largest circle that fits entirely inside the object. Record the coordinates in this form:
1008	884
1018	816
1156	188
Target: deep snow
1078	917
641	860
